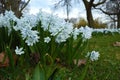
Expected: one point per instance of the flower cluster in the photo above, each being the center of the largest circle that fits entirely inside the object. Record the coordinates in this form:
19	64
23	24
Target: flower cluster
7	20
56	26
65	33
85	31
25	25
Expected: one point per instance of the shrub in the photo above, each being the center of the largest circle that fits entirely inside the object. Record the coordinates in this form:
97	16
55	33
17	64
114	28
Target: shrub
81	22
97	23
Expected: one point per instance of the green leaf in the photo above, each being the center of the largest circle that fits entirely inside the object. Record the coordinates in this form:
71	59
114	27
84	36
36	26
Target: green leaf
78	45
11	59
53	74
84	71
39	73
27	77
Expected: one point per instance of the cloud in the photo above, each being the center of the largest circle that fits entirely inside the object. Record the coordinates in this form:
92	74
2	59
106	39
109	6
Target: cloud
36	5
47	6
33	10
40	3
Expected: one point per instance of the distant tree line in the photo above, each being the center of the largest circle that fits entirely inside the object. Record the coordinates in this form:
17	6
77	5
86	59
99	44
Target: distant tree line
108	7
112	9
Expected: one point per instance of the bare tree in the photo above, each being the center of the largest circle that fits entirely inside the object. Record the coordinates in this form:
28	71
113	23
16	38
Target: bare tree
89	4
64	3
16	6
112	9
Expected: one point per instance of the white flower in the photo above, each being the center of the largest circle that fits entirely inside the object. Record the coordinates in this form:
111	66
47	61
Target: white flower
31	37
76	32
56	26
47	39
61	38
19	51
93	55
65	33
25	25
44	18
31	19
86	32
7	20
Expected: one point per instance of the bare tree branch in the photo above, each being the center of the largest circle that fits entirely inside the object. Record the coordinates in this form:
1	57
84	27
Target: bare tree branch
113	18
56	5
24	5
105	12
99	3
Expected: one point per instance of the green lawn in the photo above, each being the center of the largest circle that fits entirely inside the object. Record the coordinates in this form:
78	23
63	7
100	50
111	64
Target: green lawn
108	65
106	68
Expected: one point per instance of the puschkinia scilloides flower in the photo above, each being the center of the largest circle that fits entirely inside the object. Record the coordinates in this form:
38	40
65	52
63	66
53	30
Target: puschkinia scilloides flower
32	38
47	39
44	18
19	51
65	33
25	25
93	55
75	33
26	20
57	27
8	20
86	32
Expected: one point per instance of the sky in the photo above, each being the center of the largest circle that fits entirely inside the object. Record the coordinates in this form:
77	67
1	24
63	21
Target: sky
77	10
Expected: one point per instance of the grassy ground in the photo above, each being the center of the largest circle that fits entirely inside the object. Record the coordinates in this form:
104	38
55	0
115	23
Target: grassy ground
106	68
108	65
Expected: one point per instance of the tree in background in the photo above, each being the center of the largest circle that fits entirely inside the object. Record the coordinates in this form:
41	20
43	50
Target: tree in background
64	3
112	9
81	23
89	4
97	23
17	6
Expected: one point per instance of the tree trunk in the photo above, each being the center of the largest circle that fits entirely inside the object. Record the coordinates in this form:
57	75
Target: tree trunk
67	11
15	5
90	18
88	6
118	21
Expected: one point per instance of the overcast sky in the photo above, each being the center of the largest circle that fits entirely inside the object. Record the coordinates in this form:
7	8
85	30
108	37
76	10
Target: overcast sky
78	10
